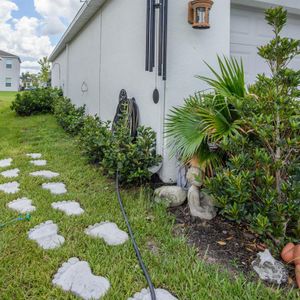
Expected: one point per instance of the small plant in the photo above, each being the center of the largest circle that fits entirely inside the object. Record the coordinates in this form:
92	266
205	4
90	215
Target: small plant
69	117
38	101
94	138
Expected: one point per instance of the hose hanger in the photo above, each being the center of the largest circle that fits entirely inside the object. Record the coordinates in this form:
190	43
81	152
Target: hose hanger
152	5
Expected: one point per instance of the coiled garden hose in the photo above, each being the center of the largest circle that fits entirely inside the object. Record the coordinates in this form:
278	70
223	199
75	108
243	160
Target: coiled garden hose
135	246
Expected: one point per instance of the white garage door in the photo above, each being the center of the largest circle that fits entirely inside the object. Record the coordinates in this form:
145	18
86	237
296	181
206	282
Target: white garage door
250	30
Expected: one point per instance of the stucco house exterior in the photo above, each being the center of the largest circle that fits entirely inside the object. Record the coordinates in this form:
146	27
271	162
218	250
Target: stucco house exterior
9	72
103	51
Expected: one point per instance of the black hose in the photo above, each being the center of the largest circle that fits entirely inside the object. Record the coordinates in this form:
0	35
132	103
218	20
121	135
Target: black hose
135	246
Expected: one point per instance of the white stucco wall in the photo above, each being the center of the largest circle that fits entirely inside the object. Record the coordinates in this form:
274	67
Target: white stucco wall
59	72
13	73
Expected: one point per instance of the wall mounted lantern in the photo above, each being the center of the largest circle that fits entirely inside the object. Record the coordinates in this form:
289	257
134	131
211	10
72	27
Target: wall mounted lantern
199	13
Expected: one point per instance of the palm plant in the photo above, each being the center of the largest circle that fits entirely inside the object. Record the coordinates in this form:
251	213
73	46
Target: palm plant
207	119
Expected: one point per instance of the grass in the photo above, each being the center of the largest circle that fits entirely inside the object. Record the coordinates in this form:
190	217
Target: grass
26	270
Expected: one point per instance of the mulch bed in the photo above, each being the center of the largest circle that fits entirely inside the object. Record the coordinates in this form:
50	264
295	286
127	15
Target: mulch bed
220	241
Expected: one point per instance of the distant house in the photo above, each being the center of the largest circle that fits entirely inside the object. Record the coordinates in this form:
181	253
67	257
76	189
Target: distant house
9	71
105	48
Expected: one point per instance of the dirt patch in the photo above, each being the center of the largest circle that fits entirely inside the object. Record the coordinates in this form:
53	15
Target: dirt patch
220	241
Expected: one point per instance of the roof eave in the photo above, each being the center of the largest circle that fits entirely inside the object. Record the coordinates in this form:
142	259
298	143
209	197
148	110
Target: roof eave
88	9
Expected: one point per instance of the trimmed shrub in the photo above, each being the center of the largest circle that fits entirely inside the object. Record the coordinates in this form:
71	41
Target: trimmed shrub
39	101
94	138
69	117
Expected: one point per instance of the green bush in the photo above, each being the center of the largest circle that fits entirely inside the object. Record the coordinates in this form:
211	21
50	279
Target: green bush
94	138
38	101
260	183
69	117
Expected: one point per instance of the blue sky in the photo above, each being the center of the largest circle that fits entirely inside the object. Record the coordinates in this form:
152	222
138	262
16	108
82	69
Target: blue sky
32	28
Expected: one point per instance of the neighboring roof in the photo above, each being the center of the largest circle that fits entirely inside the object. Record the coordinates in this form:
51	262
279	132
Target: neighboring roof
6	54
87	11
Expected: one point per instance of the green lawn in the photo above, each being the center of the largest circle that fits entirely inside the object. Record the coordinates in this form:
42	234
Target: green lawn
26	271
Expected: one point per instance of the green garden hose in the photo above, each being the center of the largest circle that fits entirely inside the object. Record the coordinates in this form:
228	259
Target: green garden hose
21	217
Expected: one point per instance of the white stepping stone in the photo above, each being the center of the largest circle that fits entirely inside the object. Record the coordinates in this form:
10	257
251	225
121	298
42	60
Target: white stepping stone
22	205
45	174
10	187
56	188
108	231
39	162
160	295
45	234
34	155
10	173
68	207
76	276
5	162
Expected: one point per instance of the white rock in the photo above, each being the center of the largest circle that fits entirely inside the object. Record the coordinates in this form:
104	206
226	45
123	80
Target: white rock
34	155
68	207
76	276
200	204
10	173
46	236
45	174
56	188
170	195
22	205
39	162
269	269
194	176
108	231
5	162
159	293
10	188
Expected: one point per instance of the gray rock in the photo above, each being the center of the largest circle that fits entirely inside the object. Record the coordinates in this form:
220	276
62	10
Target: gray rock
56	188
76	276
70	208
201	205
269	269
10	173
22	205
10	187
5	162
45	174
170	195
194	176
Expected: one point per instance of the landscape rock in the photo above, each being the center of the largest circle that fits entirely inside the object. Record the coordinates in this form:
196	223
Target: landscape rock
159	293
200	204
194	176
170	195
5	162
68	207
46	235
269	269
76	276
56	188
10	173
10	187
22	205
108	231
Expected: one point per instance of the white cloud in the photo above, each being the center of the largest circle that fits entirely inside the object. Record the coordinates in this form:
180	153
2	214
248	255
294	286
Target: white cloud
56	13
6	8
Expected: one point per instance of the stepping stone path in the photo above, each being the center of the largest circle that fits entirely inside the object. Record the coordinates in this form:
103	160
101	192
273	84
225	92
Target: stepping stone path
5	162
160	295
70	208
10	188
46	235
22	205
45	174
76	276
34	155
56	188
10	173
39	162
108	231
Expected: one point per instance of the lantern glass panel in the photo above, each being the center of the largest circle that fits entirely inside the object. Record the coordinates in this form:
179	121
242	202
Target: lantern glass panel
200	15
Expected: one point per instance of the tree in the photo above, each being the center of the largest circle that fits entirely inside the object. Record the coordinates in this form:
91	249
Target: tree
44	74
